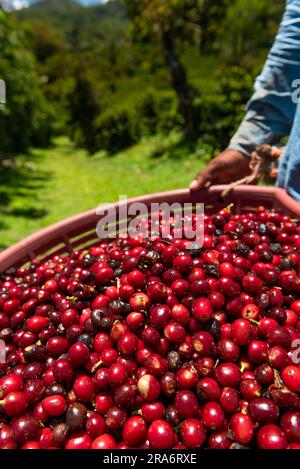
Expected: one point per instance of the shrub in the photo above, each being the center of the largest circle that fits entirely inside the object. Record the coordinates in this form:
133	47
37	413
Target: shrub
118	128
222	112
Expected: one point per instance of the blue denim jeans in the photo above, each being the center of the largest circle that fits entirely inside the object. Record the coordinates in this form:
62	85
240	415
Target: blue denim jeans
274	109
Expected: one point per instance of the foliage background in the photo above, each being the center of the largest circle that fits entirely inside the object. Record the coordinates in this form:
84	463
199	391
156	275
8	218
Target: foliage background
95	103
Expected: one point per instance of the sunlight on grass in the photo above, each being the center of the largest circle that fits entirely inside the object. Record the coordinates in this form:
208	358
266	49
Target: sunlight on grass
50	185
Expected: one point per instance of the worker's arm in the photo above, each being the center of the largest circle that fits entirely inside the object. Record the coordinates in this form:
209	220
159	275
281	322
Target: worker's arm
271	110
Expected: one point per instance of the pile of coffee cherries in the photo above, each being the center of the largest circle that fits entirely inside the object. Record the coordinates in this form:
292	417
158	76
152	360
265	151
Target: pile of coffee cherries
145	343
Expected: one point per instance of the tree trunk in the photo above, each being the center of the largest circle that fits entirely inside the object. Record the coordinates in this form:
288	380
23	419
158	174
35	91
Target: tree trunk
204	25
180	84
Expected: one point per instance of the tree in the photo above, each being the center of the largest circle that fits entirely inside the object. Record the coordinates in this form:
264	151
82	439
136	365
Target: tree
249	25
169	21
44	40
26	117
84	108
210	15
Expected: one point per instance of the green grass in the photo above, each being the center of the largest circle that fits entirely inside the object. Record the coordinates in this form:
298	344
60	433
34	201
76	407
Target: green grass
49	185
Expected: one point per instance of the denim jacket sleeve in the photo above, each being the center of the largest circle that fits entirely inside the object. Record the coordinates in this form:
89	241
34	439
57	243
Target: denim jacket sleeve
271	110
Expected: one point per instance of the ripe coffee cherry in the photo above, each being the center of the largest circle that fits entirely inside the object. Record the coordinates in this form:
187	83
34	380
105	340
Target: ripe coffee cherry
203	343
127	344
257	351
289	280
139	302
54	405
295	306
208	390
252	284
104	441
78	354
187	377
125	395
217	299
180	288
115	419
150	336
136	279
63	371
229	400
15	403
264	374
212	416
219	440
241	331
160	435
228	287
25	428
265	324
279	336
291	378
157	292
277	357
250	389
242	428
134	431
104	275
37	323
46	438
180	314
56	346
290	424
226	269
183	263
9	384
199	288
160	315
202	310
84	388
228	374
228	350
154	411
135	321
109	357
271	437
263	410
117	374
187	404
192	433
174	333
103	402
95	425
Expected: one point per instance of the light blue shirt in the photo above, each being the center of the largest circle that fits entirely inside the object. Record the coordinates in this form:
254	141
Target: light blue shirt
274	109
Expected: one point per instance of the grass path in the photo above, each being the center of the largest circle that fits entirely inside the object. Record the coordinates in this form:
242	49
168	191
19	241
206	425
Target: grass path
50	185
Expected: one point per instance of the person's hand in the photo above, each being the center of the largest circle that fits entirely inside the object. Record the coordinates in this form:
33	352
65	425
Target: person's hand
227	167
